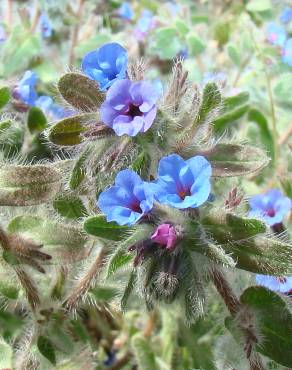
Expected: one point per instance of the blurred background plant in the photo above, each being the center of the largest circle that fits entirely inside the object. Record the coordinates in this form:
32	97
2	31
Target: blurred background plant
67	297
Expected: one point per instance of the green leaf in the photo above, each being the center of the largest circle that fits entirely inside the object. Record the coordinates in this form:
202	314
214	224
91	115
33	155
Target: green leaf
265	134
28	185
98	226
81	92
121	257
229	160
234	55
4	96
70	206
36	120
259	5
273	320
79	169
143	353
210	102
234	107
68	131
221	123
195	45
182	27
46	348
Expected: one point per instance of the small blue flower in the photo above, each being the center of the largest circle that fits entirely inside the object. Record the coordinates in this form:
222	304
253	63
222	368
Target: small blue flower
287	53
53	110
183	184
130	107
25	90
276	34
286	15
45	26
106	64
277	284
271	207
128	200
126	12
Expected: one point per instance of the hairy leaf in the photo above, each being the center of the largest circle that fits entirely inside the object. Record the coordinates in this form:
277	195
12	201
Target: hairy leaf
273	320
68	131
79	169
128	289
70	206
28	185
81	92
229	160
211	100
54	235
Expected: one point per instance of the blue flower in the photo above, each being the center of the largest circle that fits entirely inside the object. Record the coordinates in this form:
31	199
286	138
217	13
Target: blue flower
126	12
287	53
183	184
45	26
128	200
286	15
130	107
25	90
277	284
106	64
54	111
276	34
271	207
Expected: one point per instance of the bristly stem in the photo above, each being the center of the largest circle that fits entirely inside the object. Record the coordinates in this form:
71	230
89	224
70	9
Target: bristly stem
233	304
225	291
75	32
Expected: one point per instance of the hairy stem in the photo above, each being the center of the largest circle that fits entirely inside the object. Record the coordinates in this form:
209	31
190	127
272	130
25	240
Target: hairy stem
225	291
29	287
85	282
233	304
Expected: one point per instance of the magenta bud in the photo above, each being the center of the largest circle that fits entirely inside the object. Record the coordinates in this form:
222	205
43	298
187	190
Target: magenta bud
165	235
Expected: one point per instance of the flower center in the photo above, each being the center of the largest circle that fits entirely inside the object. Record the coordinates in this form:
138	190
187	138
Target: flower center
270	212
136	207
183	193
134	110
281	280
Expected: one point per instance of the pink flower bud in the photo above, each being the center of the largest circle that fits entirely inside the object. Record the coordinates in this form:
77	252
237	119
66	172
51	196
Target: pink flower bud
165	235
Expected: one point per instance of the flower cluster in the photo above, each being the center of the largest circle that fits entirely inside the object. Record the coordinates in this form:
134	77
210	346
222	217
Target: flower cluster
180	184
129	107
